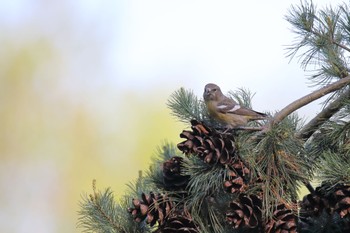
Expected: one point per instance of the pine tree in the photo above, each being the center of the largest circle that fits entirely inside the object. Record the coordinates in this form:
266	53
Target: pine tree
247	180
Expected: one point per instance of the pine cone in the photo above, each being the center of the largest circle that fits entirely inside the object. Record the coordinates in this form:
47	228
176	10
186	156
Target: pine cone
327	208
313	204
283	220
179	223
245	212
154	208
209	145
172	177
342	198
237	177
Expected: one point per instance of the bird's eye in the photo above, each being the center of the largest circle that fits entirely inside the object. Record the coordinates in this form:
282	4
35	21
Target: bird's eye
214	89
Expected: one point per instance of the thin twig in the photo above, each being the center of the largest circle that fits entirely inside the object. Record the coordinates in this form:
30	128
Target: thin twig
341	45
331	40
250	128
106	217
310	187
95	198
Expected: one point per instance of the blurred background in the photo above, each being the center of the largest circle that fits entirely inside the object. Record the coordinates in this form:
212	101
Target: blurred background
84	86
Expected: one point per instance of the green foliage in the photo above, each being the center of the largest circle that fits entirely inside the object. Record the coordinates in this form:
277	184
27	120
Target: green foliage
100	213
335	168
206	194
322	39
279	160
154	175
330	147
242	96
140	185
185	106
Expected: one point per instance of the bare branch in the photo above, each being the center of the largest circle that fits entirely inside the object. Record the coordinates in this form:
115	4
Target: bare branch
323	116
279	116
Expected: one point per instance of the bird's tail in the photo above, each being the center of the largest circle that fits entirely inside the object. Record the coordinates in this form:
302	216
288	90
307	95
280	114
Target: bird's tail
259	116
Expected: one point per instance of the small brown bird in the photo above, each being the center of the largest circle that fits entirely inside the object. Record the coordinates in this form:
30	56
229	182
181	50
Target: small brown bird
226	110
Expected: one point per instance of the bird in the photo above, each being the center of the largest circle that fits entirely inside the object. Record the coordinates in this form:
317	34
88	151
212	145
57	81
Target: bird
227	111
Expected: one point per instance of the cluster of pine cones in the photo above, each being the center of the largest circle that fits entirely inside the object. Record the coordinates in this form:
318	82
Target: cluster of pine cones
327	204
244	212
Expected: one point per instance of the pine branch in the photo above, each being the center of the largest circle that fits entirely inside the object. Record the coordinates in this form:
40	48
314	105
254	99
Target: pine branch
335	168
330	149
331	36
163	171
242	96
323	35
323	116
185	106
139	186
280	161
341	45
308	99
206	183
100	213
250	128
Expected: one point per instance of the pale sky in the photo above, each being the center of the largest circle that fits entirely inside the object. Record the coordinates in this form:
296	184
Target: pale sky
190	43
147	46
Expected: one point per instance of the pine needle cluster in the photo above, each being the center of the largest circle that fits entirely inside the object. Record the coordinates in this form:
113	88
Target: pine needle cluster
322	39
280	160
99	212
331	149
181	104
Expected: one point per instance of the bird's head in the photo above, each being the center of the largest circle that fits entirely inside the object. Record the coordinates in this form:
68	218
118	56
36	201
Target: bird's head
211	92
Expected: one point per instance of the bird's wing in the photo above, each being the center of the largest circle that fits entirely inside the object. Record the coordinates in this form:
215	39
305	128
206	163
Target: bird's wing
226	105
228	108
234	108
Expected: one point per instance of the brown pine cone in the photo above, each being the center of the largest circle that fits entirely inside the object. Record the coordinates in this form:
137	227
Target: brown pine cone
237	177
313	204
207	144
172	177
342	199
153	207
245	212
328	205
283	220
179	223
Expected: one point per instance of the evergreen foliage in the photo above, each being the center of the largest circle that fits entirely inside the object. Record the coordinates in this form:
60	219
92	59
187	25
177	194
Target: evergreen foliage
155	176
331	149
247	180
324	37
100	213
280	161
182	103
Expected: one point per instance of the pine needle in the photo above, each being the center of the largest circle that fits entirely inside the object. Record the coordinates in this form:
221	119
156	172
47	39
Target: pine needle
205	186
185	106
322	40
279	160
100	213
330	147
154	175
